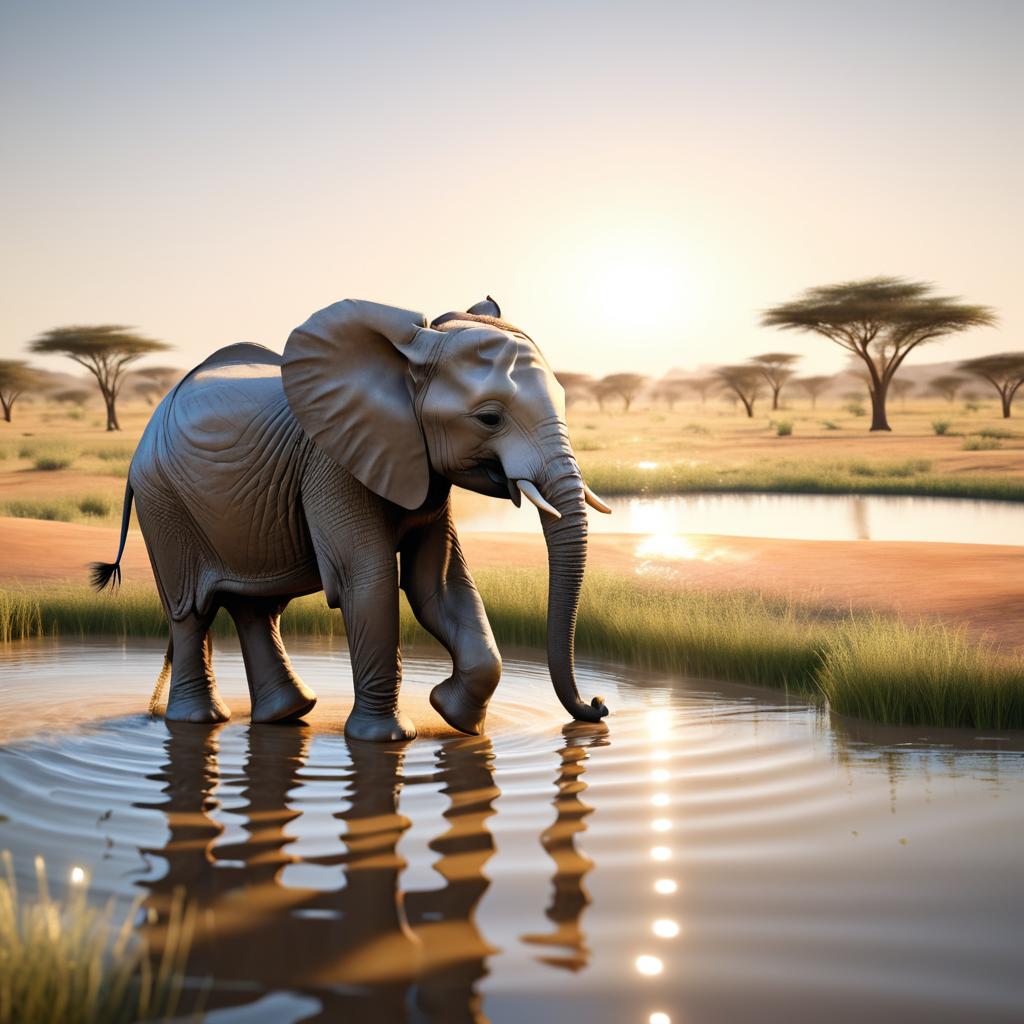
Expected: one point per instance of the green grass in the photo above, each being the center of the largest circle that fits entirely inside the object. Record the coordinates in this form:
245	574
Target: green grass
860	664
798	476
941	427
65	510
784	428
68	962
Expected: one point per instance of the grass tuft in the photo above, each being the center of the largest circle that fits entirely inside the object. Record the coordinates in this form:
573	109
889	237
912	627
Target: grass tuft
784	428
941	427
64	510
981	444
860	664
64	960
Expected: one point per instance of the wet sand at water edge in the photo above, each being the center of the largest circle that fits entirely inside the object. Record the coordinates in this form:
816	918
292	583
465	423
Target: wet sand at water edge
971	584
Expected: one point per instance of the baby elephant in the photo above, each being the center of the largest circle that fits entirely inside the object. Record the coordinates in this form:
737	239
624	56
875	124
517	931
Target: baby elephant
263	477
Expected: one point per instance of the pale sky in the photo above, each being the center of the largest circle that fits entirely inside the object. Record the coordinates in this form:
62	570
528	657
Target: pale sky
632	181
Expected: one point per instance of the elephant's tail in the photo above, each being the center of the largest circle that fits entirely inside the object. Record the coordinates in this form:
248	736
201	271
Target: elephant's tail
102	573
161	680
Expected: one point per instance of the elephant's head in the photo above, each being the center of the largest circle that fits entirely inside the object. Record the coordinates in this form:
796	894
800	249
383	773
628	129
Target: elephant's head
469	397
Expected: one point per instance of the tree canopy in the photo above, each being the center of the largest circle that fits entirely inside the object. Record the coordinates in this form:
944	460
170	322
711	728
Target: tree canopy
947	385
880	320
813	387
626	385
105	350
744	381
1004	372
776	368
16	376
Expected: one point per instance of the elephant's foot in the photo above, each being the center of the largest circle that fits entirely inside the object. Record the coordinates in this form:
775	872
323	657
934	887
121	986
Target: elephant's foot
195	702
379	728
460	710
282	700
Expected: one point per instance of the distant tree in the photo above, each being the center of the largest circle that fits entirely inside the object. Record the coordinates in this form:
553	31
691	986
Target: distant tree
900	389
776	368
881	321
154	382
947	386
577	386
1004	372
703	386
73	396
669	390
16	376
745	382
813	387
626	385
105	351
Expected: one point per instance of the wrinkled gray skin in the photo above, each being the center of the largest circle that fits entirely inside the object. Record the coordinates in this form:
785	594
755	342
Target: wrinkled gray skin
262	477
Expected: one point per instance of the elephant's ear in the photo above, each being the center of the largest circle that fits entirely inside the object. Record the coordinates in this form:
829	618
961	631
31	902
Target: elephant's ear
486	307
346	377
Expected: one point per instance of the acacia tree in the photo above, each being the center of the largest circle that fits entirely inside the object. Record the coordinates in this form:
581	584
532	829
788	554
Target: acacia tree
575	385
15	377
947	385
776	368
702	385
880	321
155	381
812	387
900	389
626	385
104	350
1004	372
745	382
670	390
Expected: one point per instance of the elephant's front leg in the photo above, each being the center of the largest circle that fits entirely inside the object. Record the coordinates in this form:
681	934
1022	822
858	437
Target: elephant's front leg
370	608
444	598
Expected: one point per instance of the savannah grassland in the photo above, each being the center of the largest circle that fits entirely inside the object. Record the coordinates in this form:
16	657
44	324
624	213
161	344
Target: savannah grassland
60	466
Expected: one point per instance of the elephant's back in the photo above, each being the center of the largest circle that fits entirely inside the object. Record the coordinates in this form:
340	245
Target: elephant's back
227	447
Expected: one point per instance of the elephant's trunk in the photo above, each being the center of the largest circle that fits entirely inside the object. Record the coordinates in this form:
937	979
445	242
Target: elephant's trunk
566	539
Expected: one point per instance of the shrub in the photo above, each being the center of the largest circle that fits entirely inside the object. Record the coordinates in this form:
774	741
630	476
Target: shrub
941	427
783	428
829	425
972	406
95	505
855	408
981	444
1001	435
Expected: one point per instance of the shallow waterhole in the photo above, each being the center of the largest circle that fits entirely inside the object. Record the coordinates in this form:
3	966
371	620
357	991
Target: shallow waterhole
710	852
783	516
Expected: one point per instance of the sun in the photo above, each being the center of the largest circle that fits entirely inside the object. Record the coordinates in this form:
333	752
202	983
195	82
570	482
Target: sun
638	280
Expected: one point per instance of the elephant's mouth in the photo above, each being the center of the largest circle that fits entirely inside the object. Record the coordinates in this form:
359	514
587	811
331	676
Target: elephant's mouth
485	477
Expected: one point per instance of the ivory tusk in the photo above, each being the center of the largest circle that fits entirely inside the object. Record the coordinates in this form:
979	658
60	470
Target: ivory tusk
595	502
530	492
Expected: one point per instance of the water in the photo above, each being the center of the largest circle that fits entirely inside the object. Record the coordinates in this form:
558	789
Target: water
787	516
711	852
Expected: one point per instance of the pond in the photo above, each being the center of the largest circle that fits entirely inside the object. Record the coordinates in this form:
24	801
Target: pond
786	516
709	853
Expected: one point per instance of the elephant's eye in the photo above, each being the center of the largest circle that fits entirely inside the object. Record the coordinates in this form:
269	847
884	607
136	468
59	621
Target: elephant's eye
489	419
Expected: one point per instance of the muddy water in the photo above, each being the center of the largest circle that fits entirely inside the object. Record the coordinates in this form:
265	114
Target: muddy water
711	853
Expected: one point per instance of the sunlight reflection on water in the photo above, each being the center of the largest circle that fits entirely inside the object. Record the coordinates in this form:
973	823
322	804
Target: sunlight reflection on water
534	873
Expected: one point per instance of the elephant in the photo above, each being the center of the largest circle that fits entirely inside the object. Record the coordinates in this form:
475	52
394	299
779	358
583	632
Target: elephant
263	477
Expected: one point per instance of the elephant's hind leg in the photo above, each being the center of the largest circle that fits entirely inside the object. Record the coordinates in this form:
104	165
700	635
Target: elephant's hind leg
278	694
193	696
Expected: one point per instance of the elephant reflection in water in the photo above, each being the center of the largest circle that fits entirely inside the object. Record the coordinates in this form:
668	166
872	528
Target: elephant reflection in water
570	897
365	951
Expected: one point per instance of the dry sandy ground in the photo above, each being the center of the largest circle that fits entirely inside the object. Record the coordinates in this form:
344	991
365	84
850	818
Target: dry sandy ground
977	585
